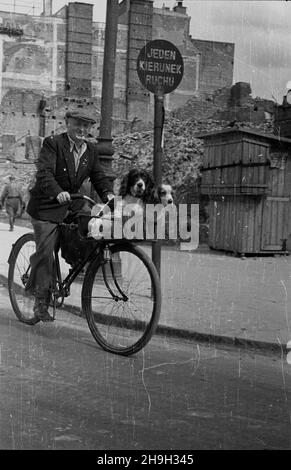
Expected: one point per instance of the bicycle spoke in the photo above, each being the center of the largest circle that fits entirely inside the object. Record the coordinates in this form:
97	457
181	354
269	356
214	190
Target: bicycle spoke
123	324
19	265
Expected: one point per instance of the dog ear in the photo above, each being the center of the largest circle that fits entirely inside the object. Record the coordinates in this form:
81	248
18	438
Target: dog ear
123	186
149	182
155	193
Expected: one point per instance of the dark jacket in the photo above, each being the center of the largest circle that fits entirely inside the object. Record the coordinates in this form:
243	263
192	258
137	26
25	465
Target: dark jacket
56	173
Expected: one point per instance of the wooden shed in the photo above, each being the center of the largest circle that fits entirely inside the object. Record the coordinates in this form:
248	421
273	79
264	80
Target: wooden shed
247	176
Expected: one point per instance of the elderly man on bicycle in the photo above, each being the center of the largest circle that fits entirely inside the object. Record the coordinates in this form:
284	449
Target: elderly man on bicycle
65	162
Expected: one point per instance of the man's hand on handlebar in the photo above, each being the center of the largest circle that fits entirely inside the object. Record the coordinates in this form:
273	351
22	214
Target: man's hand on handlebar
63	197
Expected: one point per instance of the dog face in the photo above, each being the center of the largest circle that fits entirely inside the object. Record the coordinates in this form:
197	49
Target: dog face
164	194
137	183
137	186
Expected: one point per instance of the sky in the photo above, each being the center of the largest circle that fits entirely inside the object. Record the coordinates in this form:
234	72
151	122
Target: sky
261	31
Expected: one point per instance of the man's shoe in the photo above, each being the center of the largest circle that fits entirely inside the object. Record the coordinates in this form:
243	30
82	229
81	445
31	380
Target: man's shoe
41	311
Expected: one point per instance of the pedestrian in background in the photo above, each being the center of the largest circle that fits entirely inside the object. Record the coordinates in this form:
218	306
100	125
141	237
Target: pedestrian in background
12	197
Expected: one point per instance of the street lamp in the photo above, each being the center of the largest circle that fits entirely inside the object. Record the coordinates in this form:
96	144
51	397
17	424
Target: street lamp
105	138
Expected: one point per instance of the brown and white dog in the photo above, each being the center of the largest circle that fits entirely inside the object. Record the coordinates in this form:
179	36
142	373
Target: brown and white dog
137	186
136	190
163	194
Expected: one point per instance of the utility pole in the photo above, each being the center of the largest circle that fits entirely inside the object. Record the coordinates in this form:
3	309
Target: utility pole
160	72
105	147
157	163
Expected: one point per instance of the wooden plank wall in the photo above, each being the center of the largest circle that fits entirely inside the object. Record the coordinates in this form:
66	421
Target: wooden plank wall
250	208
274	224
253	177
247	170
276	215
216	154
235	224
235	220
230	176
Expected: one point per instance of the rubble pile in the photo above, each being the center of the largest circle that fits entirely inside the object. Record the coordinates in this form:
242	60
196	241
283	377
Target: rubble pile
182	156
204	106
183	152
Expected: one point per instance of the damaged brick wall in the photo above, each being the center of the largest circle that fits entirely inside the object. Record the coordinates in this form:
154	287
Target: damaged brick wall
242	107
30	69
174	27
216	65
34	66
79	49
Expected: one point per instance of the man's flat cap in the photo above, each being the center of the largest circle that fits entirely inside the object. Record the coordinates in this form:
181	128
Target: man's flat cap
81	114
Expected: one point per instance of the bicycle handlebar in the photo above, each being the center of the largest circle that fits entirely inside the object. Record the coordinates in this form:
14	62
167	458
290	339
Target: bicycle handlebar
83	196
87	198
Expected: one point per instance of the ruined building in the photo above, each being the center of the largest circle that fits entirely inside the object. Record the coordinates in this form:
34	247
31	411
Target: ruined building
51	63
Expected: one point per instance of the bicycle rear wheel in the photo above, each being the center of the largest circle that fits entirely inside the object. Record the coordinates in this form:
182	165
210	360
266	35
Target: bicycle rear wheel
121	298
18	273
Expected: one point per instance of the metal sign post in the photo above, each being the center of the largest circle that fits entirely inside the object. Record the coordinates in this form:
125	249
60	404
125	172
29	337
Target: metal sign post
160	69
157	166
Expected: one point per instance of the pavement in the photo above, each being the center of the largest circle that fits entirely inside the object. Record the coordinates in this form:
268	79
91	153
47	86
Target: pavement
210	296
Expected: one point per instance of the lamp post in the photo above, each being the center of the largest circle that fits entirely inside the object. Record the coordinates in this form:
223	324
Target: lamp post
160	69
157	164
105	147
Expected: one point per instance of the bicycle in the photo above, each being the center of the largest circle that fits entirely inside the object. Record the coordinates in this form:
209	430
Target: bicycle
121	292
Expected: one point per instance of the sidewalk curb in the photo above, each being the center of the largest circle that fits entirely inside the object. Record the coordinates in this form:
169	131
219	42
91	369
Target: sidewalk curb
210	338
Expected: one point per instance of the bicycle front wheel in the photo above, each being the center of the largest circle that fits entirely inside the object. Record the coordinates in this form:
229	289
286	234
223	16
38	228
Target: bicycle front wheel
121	298
18	273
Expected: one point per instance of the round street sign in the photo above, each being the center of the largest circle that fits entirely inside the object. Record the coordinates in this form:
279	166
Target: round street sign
160	66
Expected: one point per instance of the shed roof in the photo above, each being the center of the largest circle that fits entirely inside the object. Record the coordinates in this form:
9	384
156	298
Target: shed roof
243	130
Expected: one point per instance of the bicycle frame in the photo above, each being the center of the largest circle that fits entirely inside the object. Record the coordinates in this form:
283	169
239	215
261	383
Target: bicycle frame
121	291
64	286
63	289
